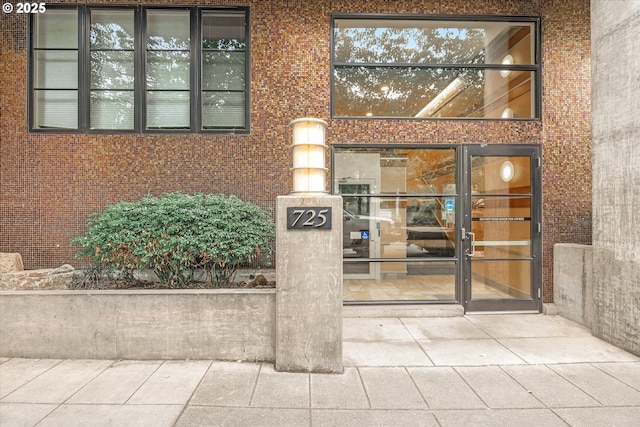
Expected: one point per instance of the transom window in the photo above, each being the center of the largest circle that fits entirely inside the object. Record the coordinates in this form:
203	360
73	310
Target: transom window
423	67
139	69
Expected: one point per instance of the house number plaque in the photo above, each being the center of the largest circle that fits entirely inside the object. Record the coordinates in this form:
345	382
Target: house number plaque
309	218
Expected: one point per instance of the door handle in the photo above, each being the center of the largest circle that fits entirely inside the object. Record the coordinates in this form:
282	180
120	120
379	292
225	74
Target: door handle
472	246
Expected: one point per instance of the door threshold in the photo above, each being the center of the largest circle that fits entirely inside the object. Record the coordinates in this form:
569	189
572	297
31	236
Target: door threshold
503	312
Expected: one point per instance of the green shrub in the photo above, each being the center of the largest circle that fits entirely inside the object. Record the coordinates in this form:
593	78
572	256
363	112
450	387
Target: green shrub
176	234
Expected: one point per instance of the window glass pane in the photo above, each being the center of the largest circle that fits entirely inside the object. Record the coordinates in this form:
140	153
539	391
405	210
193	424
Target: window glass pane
223	110
112	29
501	279
112	110
56	29
55	69
55	109
430	41
432	92
223	30
223	70
168	29
404	171
168	110
398	281
168	70
112	69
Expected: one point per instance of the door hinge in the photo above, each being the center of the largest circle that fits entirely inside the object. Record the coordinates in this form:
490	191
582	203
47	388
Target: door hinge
539	162
539	228
539	293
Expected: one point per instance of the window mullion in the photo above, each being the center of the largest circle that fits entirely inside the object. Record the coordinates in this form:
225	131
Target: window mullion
195	71
84	68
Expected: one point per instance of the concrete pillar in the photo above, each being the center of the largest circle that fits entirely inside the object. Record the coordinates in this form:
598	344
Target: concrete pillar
309	285
616	172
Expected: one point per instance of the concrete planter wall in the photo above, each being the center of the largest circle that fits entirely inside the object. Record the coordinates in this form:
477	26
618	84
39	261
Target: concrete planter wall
224	324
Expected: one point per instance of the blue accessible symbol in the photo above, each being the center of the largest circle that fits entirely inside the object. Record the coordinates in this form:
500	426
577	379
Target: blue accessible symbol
364	235
449	204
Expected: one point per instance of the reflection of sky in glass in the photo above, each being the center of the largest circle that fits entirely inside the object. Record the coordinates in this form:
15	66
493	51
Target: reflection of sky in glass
409	45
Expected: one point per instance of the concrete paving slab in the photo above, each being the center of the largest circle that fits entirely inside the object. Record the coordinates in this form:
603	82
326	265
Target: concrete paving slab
374	329
372	418
117	383
344	391
598	384
227	384
500	417
233	417
59	383
24	414
17	372
478	352
566	350
444	388
172	383
497	389
113	416
628	373
4	359
527	325
391	388
549	387
281	389
625	416
382	353
425	329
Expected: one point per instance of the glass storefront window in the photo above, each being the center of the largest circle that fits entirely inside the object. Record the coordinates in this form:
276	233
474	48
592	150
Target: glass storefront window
398	222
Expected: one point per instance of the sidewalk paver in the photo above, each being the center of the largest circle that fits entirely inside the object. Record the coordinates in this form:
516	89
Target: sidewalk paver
113	415
598	384
565	350
500	417
281	389
227	384
391	388
172	383
372	418
344	391
496	388
478	352
444	388
241	417
549	387
58	383
116	384
17	372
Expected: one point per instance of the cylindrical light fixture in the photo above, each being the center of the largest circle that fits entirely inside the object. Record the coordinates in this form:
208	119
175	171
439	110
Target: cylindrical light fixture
309	150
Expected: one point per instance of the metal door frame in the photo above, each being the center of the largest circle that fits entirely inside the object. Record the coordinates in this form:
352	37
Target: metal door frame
534	152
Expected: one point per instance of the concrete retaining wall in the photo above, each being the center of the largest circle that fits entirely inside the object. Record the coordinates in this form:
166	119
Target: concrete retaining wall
573	282
226	324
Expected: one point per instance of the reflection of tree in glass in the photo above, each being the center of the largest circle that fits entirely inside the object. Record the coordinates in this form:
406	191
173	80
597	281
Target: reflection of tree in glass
167	63
362	84
223	72
112	75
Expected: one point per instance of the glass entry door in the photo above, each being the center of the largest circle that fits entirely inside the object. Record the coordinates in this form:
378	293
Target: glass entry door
501	237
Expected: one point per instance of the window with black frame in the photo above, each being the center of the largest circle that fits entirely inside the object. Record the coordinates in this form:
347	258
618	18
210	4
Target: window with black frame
435	67
139	69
